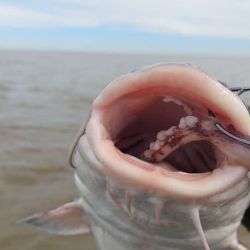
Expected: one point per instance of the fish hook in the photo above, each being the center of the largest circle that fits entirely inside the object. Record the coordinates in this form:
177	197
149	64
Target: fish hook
240	91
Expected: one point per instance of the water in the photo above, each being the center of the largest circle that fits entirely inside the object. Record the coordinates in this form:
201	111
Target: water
44	98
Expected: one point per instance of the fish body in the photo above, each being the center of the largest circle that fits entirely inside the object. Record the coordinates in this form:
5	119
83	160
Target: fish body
122	218
152	170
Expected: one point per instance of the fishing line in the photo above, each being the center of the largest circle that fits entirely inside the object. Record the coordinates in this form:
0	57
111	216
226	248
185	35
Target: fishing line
240	91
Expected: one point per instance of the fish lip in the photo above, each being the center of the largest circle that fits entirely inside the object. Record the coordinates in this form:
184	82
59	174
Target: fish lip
125	84
146	176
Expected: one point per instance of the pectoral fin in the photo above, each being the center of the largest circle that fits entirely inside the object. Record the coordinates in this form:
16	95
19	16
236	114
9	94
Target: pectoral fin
68	219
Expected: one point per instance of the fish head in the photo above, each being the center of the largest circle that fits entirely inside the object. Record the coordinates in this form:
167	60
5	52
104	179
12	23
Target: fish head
152	130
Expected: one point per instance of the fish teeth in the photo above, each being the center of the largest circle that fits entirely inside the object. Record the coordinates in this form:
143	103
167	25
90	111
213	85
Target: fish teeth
188	121
169	99
148	153
179	103
183	123
154	146
151	146
157	145
161	135
170	131
191	121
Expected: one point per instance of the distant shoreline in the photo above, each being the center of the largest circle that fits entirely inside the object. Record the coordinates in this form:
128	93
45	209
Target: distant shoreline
118	53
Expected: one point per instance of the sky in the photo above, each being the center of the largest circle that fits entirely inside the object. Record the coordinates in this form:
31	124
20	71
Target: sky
130	26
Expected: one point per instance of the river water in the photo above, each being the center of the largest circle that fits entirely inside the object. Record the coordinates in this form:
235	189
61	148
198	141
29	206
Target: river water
44	98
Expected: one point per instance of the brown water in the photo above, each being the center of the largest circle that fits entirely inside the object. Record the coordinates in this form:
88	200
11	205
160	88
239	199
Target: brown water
44	98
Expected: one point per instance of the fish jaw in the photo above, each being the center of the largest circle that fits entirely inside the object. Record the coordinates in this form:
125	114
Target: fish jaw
131	96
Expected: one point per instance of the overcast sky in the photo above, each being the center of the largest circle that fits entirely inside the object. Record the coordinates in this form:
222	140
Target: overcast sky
202	26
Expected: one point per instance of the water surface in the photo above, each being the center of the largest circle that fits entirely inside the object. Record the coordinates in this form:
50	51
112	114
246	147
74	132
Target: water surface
44	98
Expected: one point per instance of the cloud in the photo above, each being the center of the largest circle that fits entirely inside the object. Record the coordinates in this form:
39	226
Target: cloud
218	18
14	16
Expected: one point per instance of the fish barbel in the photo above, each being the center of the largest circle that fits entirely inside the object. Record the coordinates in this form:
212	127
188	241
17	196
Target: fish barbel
153	170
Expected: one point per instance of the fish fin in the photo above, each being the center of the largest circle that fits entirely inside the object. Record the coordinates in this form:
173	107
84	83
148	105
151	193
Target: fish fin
195	216
68	219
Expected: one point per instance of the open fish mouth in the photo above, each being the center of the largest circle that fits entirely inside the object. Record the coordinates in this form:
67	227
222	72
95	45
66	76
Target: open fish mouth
176	134
154	130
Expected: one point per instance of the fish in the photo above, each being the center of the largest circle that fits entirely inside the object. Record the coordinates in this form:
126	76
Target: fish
153	170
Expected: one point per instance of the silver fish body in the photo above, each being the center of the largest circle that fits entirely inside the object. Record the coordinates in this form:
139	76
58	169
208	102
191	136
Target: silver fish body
122	218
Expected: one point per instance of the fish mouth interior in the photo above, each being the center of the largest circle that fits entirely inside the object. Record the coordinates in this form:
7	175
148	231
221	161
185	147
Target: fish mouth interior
142	118
195	161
